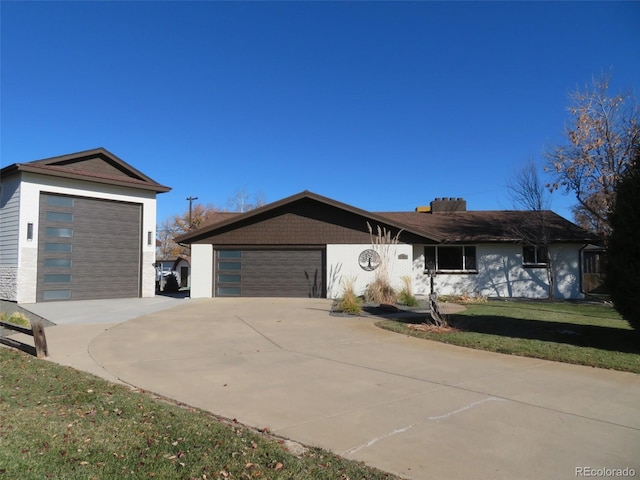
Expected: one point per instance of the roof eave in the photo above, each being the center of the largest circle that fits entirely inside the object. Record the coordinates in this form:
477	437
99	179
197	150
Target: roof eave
155	187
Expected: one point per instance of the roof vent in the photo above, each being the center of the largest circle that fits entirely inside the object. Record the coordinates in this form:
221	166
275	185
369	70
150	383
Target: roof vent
451	204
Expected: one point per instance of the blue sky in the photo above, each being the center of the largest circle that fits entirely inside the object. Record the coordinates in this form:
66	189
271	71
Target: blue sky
381	105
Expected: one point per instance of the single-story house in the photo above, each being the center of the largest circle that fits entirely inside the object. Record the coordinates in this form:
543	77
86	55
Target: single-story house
77	227
308	245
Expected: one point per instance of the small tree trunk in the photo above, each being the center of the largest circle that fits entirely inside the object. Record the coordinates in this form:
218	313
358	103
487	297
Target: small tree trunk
550	277
437	317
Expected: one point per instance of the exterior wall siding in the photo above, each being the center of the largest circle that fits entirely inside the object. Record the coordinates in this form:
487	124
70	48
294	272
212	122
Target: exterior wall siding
9	221
342	265
295	228
501	274
31	187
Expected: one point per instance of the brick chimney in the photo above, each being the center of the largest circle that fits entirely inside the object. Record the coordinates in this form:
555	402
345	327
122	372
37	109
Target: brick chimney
443	205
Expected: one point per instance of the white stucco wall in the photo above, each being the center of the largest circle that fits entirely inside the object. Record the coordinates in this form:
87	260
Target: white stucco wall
33	184
342	264
501	274
201	270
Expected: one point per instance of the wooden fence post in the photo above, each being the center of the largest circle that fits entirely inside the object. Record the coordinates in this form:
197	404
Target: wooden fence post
39	338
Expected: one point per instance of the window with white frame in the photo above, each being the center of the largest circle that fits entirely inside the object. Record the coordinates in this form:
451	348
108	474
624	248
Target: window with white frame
533	256
454	258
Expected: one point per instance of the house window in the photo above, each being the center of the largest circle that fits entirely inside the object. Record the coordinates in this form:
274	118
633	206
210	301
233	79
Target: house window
56	295
534	256
59	217
57	278
57	263
59	201
458	258
59	232
58	247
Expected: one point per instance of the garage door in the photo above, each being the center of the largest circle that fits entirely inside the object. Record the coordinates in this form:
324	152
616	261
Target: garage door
269	273
88	248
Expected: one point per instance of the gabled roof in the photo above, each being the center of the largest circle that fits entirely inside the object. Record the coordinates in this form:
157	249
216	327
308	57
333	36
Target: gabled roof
446	227
493	226
97	165
230	219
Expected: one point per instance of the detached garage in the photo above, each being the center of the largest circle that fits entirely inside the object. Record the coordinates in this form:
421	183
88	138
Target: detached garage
77	227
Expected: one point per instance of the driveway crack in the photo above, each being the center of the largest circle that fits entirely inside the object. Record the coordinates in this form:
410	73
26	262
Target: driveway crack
259	332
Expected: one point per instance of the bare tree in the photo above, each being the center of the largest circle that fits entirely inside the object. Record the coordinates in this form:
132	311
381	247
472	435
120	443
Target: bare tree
200	215
529	193
243	201
526	190
602	136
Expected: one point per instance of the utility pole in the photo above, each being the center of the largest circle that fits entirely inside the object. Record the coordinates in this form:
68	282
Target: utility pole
191	199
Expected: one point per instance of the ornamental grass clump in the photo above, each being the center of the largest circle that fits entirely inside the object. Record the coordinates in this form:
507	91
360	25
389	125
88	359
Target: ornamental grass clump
350	302
406	297
16	318
380	289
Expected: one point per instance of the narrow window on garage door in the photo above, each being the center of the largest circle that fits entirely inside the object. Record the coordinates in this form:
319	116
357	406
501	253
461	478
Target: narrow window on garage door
56	256
228	272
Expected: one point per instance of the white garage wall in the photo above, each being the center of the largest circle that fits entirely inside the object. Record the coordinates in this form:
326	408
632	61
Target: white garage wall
501	274
342	264
33	184
201	270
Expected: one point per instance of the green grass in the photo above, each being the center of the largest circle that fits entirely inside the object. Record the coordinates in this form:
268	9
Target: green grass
579	333
59	423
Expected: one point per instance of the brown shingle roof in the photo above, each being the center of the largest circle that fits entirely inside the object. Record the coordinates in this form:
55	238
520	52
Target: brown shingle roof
446	227
490	225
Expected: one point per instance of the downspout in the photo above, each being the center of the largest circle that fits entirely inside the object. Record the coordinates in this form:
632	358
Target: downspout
581	268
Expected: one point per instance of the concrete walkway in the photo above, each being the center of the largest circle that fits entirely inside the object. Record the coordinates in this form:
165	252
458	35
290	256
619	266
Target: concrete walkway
419	409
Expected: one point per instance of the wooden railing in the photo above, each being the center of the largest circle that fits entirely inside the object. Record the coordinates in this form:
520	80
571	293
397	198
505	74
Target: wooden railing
36	331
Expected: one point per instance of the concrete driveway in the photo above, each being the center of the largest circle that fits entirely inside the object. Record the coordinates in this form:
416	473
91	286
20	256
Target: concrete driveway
419	409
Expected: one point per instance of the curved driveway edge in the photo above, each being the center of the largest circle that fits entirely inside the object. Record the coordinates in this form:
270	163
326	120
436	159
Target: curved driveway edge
412	407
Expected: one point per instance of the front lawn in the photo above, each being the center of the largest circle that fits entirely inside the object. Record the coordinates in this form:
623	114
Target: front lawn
60	423
582	333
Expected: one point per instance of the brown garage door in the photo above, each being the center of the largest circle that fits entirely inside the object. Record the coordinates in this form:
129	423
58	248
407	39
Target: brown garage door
269	273
88	248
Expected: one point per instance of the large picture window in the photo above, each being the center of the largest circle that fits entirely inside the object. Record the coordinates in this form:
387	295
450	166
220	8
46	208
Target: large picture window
458	258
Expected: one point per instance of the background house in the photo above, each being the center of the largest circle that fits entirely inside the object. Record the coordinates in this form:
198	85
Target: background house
306	245
75	227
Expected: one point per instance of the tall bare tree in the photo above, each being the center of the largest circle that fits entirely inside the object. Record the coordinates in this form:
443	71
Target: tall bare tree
526	190
602	135
243	201
529	193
